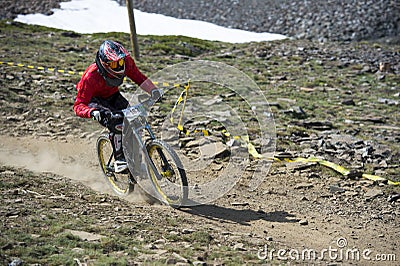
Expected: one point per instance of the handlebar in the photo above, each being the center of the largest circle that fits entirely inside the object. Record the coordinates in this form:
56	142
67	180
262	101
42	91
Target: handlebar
139	109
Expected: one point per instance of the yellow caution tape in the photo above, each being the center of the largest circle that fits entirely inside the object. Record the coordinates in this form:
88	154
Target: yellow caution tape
62	71
337	168
166	84
253	152
46	69
180	127
379	178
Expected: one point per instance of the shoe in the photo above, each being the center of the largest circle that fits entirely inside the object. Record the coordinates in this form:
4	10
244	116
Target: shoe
120	166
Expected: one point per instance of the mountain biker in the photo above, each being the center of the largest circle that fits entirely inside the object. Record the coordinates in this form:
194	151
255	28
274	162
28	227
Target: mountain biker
98	95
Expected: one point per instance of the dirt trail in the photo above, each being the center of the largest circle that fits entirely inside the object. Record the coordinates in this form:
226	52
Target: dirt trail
73	158
275	216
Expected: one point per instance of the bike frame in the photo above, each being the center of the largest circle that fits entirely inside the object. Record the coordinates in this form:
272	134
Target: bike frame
138	114
149	160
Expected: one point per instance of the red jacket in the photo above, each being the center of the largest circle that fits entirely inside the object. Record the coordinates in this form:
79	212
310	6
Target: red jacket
92	84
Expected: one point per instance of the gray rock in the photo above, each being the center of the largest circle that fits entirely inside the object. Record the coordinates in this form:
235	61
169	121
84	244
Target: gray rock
212	150
303	222
348	102
239	247
304	186
296	112
336	189
320	20
372	193
151	246
188	231
393	198
15	262
388	101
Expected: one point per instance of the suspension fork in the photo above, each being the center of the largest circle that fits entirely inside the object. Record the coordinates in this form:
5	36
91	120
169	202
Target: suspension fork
153	137
109	161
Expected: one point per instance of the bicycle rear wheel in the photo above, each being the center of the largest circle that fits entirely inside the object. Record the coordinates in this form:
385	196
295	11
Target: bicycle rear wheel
171	182
120	183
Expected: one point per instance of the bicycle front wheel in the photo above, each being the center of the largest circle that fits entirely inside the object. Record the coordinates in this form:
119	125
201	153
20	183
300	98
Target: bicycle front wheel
120	183
170	182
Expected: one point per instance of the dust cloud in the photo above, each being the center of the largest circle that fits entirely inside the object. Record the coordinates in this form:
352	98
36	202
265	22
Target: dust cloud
74	159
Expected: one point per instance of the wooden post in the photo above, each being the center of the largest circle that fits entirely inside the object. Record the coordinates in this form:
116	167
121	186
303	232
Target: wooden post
134	42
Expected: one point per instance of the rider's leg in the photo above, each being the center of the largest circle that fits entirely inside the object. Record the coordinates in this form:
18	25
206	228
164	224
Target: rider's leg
120	163
116	140
117	102
114	103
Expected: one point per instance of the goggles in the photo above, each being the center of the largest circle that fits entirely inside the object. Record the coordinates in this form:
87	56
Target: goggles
116	64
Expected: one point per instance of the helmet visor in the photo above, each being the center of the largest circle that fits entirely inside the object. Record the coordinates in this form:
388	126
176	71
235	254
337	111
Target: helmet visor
117	65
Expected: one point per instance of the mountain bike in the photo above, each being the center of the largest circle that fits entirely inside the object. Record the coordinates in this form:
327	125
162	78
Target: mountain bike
151	162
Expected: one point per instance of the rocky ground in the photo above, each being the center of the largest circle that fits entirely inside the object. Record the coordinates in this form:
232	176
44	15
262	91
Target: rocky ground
334	20
337	101
11	9
321	20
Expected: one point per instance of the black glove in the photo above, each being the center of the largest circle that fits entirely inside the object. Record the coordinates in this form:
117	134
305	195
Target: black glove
102	116
156	94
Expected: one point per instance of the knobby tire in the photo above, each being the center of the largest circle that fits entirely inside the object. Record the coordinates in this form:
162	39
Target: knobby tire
172	187
120	183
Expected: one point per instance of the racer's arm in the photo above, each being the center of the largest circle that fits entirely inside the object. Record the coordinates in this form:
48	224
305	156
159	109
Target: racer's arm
81	107
138	77
82	100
